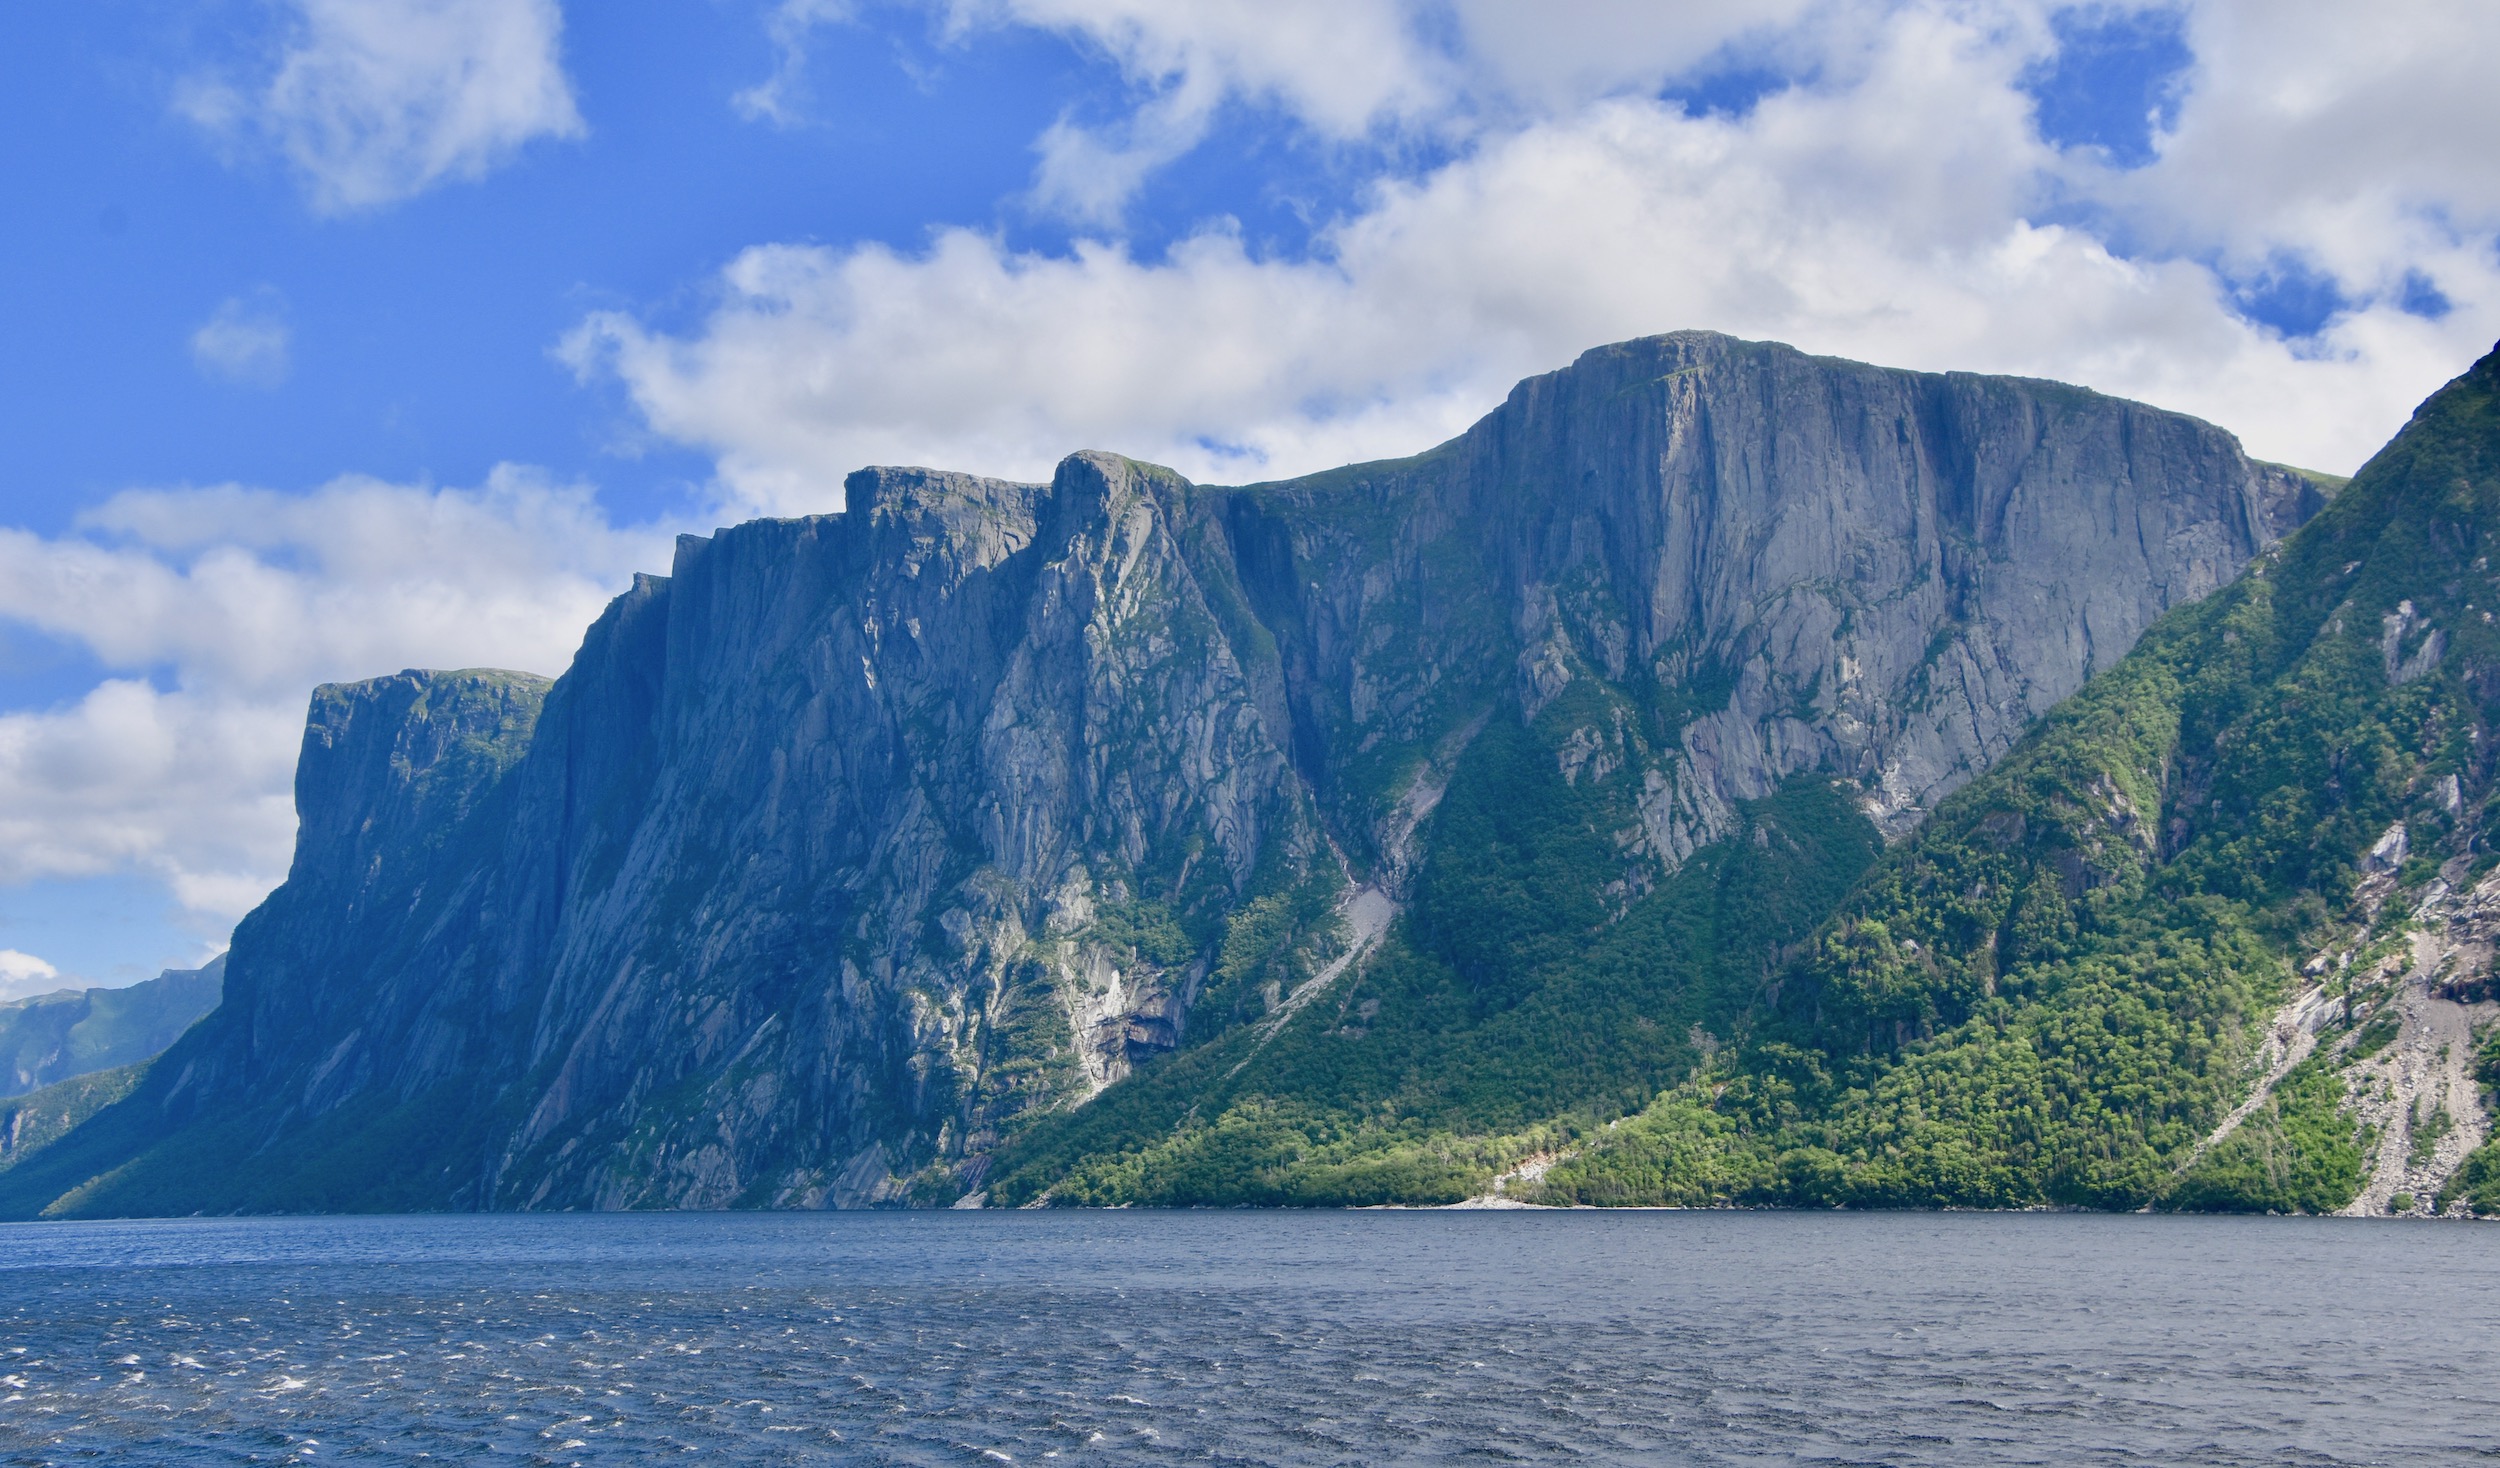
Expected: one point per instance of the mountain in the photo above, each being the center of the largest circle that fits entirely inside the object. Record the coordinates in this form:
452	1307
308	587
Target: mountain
34	1121
2218	935
1123	838
52	1037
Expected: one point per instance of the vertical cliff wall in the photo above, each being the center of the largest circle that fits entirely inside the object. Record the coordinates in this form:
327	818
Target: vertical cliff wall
860	839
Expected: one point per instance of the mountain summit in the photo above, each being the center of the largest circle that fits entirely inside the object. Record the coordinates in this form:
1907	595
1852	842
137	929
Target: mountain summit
997	840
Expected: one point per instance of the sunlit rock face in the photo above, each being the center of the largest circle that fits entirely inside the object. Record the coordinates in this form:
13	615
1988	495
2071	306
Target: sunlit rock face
858	837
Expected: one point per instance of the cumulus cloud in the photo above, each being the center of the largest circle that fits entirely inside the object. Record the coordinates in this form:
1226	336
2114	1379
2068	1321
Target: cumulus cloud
818	360
245	341
1888	196
1359	70
1889	199
2339	130
373	101
23	975
219	609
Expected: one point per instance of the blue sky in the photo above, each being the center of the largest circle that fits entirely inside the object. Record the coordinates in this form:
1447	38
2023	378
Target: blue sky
421	334
345	335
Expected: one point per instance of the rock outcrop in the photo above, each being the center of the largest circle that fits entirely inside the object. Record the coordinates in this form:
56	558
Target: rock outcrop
859	837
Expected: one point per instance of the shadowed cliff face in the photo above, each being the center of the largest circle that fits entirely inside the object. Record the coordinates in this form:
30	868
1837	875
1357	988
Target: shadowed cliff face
858	838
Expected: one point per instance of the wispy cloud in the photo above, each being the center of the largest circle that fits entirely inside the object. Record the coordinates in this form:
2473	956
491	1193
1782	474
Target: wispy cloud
245	341
1345	68
373	101
781	98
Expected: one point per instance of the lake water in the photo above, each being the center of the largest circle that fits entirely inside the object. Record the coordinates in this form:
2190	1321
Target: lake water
1299	1338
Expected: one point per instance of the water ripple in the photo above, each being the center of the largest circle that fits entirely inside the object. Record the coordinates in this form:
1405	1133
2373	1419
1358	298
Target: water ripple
1236	1338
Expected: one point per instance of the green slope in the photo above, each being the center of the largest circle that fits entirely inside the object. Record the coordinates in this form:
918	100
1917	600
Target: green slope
33	1122
1516	1005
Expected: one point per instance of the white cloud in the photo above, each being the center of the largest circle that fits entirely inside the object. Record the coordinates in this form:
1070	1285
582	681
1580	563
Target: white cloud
1345	68
2337	129
780	98
187	786
818	361
373	101
245	341
1893	202
220	608
1341	66
22	975
1529	56
1351	71
1357	70
1089	174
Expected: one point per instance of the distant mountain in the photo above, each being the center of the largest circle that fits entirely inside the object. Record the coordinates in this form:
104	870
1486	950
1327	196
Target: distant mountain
34	1121
1358	837
53	1037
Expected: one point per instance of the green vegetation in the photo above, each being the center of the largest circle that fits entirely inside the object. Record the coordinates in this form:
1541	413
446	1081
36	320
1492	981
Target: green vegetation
1516	1006
2297	1154
34	1121
2375	1036
2328	483
2427	1135
1272	945
2477	1180
373	1155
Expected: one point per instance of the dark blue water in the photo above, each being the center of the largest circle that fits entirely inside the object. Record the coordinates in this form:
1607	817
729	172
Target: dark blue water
1303	1338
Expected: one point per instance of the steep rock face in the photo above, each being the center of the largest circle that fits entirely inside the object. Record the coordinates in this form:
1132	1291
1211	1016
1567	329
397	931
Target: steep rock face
1806	563
858	837
900	767
387	909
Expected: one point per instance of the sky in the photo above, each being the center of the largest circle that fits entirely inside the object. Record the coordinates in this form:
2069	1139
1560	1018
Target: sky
341	336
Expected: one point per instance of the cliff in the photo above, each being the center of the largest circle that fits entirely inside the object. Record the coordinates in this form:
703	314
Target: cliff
863	845
2218	935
